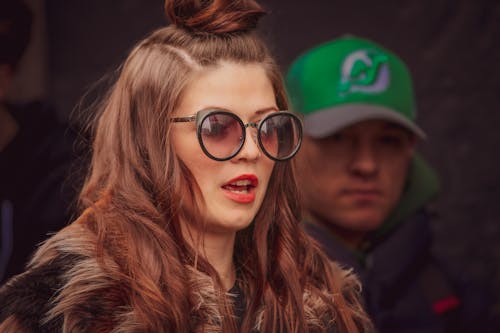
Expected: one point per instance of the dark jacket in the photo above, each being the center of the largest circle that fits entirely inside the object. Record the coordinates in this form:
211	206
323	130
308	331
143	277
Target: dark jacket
35	191
405	288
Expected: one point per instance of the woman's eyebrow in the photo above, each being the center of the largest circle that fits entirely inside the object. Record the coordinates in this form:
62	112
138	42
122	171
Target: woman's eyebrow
266	110
209	108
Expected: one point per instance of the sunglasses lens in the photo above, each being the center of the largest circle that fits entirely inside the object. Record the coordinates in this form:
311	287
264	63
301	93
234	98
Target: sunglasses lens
221	134
280	135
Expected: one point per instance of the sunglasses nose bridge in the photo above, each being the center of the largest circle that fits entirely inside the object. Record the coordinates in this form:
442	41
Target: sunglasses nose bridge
254	125
254	133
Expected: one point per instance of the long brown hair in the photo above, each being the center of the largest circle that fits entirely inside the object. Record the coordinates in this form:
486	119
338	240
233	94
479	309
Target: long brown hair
135	194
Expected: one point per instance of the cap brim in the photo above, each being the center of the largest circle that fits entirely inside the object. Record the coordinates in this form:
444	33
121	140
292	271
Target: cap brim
325	122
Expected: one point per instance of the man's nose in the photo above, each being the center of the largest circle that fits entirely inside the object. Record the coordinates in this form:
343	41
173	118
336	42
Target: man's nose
364	159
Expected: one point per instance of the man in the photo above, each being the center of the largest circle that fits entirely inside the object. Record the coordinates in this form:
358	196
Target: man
365	188
35	156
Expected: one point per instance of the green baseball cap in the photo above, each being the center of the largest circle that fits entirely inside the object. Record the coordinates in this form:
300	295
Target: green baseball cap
348	80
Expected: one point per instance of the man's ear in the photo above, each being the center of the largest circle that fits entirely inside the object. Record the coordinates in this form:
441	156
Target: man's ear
6	76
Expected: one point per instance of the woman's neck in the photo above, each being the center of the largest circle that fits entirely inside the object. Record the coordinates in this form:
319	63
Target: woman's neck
219	252
218	249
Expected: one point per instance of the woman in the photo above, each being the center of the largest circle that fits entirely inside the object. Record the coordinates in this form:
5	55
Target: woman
190	214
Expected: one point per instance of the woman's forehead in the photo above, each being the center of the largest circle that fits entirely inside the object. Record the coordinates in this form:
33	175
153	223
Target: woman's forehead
244	89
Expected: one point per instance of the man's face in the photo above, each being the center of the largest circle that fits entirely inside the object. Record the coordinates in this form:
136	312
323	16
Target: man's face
354	178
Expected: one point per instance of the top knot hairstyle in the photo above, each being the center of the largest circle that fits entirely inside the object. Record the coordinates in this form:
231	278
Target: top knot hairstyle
216	17
138	191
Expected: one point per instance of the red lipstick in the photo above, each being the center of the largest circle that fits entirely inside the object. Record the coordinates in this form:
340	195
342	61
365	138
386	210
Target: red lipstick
241	189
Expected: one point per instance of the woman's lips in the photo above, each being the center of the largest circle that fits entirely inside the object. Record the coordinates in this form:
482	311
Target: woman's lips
241	189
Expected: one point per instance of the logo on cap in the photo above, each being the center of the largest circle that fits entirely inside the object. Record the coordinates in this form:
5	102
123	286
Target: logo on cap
364	71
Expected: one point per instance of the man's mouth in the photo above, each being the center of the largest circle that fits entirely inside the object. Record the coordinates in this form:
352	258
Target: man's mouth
363	191
363	194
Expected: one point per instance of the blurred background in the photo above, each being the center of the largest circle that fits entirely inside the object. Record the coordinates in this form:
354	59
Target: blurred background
451	47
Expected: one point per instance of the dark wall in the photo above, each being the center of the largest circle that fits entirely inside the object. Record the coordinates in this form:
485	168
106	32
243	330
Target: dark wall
451	46
88	39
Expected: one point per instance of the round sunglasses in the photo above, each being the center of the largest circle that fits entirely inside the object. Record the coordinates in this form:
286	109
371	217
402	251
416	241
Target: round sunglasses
222	134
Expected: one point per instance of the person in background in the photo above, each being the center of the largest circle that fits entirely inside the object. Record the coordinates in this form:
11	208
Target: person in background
366	190
35	155
190	213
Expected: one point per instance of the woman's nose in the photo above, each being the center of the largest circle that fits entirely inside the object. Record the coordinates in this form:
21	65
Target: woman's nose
250	150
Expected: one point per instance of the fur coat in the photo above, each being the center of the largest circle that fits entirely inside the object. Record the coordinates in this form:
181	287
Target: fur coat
66	290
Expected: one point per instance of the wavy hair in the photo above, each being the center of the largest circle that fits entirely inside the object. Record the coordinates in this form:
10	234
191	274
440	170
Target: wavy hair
137	191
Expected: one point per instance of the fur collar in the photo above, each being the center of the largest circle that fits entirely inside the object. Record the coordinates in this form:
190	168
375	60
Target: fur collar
89	299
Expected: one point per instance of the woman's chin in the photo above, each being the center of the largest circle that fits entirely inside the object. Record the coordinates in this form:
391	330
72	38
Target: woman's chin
229	226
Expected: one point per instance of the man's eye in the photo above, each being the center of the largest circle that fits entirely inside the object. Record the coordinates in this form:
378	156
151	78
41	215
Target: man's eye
391	140
338	137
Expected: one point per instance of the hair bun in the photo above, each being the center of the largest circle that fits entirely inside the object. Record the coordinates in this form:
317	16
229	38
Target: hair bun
214	16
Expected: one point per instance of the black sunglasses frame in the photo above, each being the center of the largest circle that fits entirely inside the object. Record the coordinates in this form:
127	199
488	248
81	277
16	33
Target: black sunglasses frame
200	117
